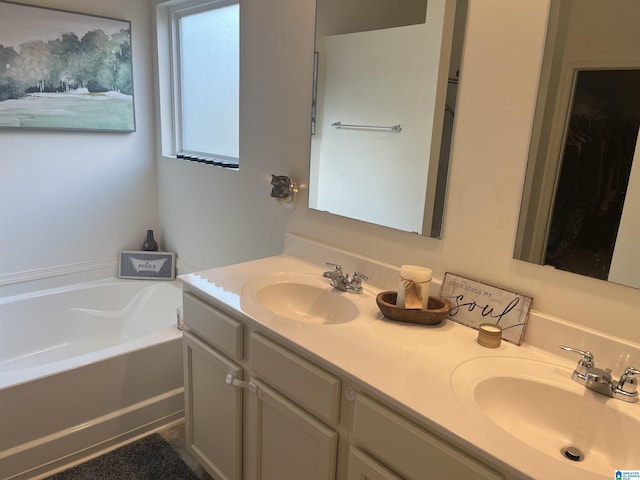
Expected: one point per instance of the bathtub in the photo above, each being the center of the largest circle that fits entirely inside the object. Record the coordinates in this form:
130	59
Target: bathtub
84	368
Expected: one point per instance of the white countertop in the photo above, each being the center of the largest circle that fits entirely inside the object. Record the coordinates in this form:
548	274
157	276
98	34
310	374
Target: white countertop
411	365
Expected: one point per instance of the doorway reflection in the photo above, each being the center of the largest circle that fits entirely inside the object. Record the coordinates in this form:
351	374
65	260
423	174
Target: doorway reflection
598	153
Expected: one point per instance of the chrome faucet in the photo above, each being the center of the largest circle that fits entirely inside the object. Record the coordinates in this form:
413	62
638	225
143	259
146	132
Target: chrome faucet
600	380
339	280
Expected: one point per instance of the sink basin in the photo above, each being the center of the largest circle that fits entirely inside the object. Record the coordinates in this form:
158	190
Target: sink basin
538	404
300	298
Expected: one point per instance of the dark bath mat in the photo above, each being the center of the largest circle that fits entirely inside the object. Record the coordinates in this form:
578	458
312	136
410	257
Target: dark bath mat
150	458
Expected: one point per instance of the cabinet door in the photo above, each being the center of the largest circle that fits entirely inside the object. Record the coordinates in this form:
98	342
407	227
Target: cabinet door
286	442
213	410
363	467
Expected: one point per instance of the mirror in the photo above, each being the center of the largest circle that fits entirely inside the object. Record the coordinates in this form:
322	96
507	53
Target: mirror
385	85
581	202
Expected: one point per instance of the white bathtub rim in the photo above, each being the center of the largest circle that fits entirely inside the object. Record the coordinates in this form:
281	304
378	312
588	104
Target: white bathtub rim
81	286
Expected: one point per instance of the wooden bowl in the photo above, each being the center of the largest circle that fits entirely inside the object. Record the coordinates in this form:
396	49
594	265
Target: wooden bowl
436	313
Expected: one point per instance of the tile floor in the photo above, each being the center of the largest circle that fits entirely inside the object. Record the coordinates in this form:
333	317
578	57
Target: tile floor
175	437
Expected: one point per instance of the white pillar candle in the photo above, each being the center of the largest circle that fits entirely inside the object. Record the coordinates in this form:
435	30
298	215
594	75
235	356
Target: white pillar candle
413	287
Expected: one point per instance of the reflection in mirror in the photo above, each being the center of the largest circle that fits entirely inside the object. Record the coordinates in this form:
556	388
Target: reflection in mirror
383	109
581	203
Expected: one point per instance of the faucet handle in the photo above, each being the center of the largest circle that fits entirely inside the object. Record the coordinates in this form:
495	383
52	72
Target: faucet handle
631	371
359	276
628	384
586	355
337	267
356	280
584	364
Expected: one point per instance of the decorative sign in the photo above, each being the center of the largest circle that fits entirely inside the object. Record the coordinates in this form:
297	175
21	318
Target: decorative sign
473	303
147	265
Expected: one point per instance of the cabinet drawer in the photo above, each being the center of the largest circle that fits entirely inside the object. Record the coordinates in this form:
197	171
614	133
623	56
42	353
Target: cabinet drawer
309	386
409	450
363	467
213	326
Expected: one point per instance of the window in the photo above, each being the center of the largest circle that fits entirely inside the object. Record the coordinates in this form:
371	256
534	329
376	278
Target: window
205	74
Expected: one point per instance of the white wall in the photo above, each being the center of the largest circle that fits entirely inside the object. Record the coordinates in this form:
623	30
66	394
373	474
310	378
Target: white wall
493	124
71	197
213	216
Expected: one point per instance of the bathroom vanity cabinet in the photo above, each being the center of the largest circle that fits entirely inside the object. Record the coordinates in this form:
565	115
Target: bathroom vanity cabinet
212	349
259	407
267	414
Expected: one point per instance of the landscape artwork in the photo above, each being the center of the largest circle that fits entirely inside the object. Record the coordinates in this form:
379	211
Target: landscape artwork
65	71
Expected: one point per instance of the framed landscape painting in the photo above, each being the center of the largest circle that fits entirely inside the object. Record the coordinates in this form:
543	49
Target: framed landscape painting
65	71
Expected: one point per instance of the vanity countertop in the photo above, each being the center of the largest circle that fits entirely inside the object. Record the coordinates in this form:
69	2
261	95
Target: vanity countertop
410	365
